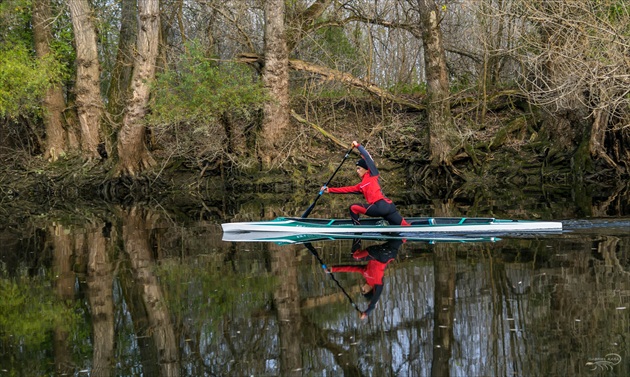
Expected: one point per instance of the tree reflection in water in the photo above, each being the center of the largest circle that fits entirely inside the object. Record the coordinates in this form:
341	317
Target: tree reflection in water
165	299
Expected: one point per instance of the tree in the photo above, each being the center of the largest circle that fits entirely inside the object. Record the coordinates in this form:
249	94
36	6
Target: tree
88	97
53	102
442	135
133	156
122	70
575	58
276	80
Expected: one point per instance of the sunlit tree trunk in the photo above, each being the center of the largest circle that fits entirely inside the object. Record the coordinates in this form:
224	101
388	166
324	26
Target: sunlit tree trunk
88	96
121	73
276	81
54	102
441	126
132	151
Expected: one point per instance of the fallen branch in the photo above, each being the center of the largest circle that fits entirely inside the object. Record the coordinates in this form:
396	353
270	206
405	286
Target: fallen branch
319	129
333	74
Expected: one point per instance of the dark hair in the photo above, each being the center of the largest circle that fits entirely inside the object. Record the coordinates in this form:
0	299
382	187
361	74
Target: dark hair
362	164
368	295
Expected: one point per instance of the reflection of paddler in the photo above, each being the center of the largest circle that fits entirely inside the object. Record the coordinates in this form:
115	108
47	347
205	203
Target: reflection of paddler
378	257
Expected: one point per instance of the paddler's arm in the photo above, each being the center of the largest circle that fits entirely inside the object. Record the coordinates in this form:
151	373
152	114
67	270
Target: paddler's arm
343	190
359	269
368	159
378	289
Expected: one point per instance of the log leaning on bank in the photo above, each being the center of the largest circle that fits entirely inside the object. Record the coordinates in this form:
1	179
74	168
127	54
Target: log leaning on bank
343	77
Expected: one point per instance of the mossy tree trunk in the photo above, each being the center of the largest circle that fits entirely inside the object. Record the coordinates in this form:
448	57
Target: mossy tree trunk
133	155
88	97
54	102
276	81
441	127
118	90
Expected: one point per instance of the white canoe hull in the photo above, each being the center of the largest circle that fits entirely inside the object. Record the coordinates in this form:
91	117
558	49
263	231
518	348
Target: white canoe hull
419	225
295	238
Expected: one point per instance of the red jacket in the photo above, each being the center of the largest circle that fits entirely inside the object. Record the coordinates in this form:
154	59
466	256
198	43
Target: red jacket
369	186
372	272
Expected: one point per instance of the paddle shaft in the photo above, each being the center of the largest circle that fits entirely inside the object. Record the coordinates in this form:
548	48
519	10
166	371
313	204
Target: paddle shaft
321	262
310	208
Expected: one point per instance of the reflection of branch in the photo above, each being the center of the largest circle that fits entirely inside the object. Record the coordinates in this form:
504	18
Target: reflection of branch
319	337
316	302
601	209
607	248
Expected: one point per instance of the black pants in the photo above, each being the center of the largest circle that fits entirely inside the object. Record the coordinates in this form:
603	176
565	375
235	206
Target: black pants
381	208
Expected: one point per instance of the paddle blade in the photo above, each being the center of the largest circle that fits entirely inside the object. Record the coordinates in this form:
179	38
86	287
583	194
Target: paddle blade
307	212
309	209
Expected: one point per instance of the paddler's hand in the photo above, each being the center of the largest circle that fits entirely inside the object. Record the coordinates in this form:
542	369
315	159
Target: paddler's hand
363	316
324	189
355	144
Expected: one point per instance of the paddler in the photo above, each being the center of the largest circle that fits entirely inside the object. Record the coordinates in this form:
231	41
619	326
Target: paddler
377	204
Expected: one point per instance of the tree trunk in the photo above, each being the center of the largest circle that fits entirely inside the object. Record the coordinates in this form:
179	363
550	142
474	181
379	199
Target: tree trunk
132	151
88	96
441	127
54	103
122	71
276	81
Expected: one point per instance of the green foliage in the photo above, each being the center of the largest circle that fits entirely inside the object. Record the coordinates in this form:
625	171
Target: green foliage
418	88
24	80
201	90
15	16
62	43
612	10
29	313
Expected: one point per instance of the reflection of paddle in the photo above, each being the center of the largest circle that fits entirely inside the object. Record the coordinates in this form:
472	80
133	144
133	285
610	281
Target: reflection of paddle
321	262
309	209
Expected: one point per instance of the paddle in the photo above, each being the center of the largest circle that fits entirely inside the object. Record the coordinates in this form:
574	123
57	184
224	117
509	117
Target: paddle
309	209
321	262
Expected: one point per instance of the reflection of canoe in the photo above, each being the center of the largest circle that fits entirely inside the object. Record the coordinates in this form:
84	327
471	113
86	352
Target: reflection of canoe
291	238
451	225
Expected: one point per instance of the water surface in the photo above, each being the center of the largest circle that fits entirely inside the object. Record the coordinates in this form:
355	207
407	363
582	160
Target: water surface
132	291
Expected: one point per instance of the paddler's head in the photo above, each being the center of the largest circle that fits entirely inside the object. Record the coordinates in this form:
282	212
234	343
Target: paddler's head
362	168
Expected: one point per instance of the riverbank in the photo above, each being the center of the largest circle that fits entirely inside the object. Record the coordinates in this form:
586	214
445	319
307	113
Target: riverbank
36	188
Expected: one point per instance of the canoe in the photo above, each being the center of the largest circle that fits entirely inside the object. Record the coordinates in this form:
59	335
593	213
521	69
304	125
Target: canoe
451	225
284	238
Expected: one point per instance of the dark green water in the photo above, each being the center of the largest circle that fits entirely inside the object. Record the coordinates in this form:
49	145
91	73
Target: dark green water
129	291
